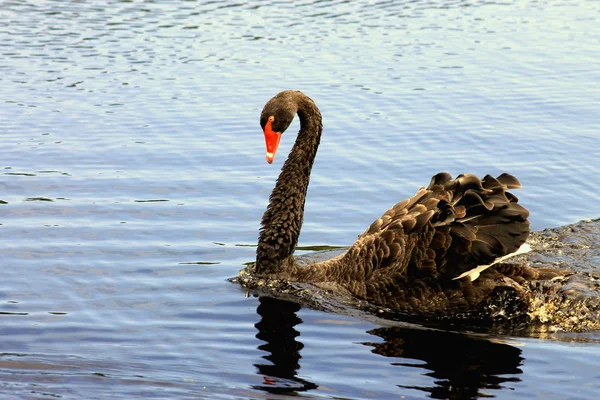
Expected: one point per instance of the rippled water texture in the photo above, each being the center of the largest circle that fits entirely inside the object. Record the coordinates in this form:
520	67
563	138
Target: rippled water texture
133	181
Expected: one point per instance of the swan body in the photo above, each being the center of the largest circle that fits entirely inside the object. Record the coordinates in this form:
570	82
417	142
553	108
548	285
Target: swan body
433	253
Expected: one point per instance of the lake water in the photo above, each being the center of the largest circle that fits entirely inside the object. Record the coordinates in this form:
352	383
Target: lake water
133	172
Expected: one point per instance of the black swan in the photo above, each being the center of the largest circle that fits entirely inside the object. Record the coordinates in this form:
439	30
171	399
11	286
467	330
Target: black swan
430	254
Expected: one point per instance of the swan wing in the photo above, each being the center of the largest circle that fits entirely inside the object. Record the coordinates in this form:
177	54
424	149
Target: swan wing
444	230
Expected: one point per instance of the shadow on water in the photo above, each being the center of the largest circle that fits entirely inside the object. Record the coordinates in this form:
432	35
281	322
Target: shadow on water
461	366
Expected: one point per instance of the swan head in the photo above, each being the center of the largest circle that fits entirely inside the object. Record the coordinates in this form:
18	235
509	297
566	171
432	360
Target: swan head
276	117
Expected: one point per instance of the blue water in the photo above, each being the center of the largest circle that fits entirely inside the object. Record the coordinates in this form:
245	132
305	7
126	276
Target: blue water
134	179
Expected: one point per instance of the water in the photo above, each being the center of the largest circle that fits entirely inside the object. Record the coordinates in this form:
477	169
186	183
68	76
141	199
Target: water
134	176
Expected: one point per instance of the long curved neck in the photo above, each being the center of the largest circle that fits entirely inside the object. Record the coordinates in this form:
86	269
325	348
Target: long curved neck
282	221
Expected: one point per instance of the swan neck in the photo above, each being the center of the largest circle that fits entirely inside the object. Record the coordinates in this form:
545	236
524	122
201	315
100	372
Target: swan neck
282	221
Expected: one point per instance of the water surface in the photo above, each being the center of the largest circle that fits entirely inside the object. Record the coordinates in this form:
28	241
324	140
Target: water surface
134	179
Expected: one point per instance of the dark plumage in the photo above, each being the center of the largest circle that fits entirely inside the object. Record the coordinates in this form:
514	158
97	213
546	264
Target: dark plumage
408	259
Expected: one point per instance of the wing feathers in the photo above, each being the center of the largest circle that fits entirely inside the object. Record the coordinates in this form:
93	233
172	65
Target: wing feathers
446	229
509	181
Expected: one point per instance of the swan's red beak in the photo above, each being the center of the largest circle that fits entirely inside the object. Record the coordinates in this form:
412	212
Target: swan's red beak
272	140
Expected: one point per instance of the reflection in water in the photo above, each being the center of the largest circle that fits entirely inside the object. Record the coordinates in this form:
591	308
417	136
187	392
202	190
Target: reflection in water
460	365
276	328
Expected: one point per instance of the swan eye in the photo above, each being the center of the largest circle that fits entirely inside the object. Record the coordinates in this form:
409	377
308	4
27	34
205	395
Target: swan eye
271	118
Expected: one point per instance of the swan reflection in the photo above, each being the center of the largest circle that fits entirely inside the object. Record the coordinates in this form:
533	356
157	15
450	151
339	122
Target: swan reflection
461	366
276	329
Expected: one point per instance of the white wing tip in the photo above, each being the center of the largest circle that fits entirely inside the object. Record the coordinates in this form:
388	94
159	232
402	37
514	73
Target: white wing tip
474	273
525	248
